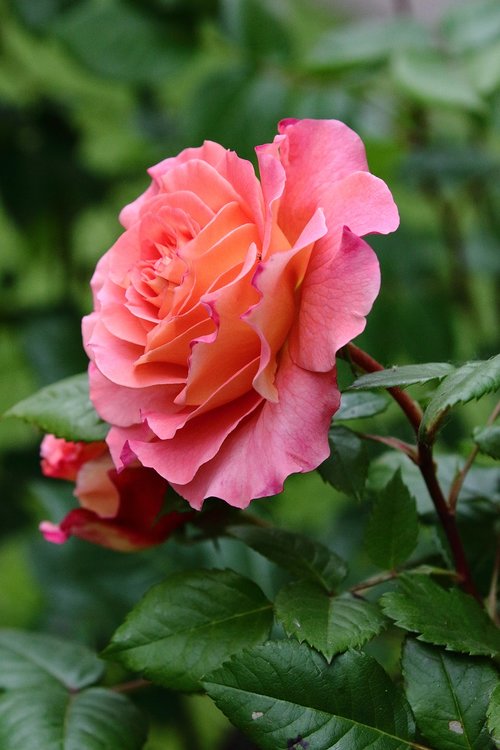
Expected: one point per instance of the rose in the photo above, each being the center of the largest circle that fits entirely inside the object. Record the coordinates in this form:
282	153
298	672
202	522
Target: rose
119	510
219	311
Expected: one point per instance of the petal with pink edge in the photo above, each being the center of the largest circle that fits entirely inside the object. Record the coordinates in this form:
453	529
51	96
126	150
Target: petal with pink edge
276	440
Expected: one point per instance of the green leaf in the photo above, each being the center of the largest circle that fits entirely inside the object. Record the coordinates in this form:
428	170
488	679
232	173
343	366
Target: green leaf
360	405
449	695
116	41
52	718
392	531
488	440
493	715
402	376
433	79
331	624
284	695
444	618
305	558
365	42
471	381
189	624
64	409
29	660
347	467
471	26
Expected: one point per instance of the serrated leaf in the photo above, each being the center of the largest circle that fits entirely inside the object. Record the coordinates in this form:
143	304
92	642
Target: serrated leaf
284	695
392	531
189	624
347	467
29	660
302	556
493	715
331	624
471	381
449	695
52	718
433	79
360	405
64	409
444	618
402	376
488	440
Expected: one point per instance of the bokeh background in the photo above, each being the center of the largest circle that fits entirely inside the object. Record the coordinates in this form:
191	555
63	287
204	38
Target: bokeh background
92	92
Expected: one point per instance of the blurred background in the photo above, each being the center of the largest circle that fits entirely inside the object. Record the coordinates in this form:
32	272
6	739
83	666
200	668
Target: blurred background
92	92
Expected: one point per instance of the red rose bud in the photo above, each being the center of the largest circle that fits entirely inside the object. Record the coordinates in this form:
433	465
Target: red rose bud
121	511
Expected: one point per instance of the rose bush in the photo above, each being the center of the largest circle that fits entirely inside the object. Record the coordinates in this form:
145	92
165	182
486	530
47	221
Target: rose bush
119	510
219	311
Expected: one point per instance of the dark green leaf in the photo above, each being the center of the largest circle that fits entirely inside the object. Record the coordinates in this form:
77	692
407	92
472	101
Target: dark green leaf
392	530
63	408
189	624
494	716
449	695
360	405
331	624
365	42
403	376
299	554
433	79
347	466
29	660
52	718
284	695
444	618
471	381
488	440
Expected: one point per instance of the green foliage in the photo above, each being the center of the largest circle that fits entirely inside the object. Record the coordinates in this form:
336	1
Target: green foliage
360	406
302	556
284	695
49	702
30	660
471	381
189	624
449	695
63	409
493	714
403	376
392	531
444	618
94	719
347	467
331	624
488	440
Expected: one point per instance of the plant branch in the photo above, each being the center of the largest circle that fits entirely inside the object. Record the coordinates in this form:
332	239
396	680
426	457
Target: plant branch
460	477
410	407
392	442
491	602
131	686
427	468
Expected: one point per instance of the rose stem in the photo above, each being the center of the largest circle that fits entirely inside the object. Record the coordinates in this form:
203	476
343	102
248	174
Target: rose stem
427	468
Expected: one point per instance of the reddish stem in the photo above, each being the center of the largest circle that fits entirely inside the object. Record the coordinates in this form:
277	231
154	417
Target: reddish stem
427	468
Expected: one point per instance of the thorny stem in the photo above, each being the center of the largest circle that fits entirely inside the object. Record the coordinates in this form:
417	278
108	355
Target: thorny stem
392	442
427	468
460	478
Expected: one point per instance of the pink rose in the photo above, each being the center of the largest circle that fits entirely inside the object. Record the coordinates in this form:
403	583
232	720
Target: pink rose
219	311
119	510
